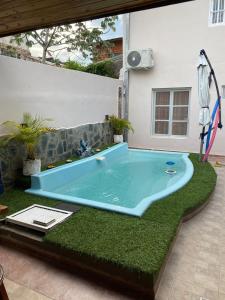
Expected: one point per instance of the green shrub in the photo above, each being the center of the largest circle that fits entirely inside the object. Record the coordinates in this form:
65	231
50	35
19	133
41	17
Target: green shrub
74	65
120	125
103	68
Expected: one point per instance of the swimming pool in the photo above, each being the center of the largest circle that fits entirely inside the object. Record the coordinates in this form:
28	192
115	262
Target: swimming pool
117	179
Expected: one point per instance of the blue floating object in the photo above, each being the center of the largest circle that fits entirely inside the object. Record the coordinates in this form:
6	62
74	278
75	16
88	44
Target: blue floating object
170	163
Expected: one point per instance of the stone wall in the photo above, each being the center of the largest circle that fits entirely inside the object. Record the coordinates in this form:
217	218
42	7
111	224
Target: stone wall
53	147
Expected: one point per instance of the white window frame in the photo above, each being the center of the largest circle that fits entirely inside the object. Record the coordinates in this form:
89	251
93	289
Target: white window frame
211	11
171	106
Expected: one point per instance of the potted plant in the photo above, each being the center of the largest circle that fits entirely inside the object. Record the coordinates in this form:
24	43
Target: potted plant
119	126
27	133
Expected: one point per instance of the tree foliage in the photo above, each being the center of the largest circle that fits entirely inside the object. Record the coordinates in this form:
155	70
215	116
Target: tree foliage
72	37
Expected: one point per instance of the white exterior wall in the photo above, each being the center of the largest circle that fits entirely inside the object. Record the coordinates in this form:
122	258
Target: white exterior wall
176	34
70	98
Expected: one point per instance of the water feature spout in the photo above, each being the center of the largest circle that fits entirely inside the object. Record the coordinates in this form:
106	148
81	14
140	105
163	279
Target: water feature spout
100	158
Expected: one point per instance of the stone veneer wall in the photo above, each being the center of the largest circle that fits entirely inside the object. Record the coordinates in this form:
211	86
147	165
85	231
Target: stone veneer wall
53	147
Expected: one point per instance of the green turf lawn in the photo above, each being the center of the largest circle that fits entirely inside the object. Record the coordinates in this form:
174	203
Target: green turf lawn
137	244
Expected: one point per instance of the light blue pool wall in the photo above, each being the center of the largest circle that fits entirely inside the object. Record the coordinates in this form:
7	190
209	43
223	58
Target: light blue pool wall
45	182
51	179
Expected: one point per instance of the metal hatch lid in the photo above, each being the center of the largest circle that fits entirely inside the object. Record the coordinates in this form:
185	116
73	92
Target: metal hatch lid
30	216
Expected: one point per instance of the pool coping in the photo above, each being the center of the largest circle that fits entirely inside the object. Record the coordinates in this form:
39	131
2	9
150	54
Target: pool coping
136	211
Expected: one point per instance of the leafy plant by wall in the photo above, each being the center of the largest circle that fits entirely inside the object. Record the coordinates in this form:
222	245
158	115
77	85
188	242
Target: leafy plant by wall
74	65
103	68
28	132
120	125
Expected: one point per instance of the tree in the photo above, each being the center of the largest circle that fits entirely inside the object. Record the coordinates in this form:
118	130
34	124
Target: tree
79	36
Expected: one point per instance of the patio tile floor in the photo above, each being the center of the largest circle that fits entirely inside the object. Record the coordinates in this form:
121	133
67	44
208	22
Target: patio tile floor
195	269
17	291
28	277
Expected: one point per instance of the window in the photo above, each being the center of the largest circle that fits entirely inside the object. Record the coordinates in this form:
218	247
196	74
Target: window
216	16
171	112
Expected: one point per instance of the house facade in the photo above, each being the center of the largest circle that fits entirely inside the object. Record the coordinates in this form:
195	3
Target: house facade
163	101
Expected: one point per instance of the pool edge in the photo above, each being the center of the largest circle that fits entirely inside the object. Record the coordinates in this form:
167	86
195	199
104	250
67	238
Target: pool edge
136	211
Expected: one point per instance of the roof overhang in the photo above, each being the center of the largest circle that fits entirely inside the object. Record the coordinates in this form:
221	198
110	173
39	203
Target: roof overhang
24	15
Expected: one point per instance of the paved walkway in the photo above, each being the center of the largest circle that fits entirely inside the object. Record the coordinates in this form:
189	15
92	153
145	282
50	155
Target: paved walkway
28	278
195	269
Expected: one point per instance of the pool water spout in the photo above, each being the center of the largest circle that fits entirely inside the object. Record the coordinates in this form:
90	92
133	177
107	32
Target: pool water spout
100	158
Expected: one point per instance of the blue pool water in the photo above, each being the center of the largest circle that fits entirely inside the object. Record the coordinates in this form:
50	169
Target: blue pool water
126	181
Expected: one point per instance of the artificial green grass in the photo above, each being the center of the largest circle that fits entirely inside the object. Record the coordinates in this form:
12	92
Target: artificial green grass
136	244
17	199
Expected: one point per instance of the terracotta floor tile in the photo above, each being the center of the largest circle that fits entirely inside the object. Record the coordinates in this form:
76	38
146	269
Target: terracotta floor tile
19	292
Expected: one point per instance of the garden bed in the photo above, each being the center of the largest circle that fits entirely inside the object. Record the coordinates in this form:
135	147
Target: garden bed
129	249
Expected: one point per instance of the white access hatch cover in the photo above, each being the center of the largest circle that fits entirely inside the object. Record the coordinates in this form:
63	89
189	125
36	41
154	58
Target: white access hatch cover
39	217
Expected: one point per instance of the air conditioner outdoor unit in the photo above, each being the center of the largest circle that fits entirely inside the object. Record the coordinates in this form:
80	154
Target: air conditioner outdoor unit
140	59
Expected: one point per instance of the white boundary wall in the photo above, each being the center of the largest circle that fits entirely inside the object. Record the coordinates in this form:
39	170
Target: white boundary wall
69	97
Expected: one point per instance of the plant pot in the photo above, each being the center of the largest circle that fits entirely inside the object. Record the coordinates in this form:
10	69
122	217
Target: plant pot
118	138
31	166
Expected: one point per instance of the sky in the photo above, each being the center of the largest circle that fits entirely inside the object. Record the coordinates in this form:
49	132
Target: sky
64	55
117	33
